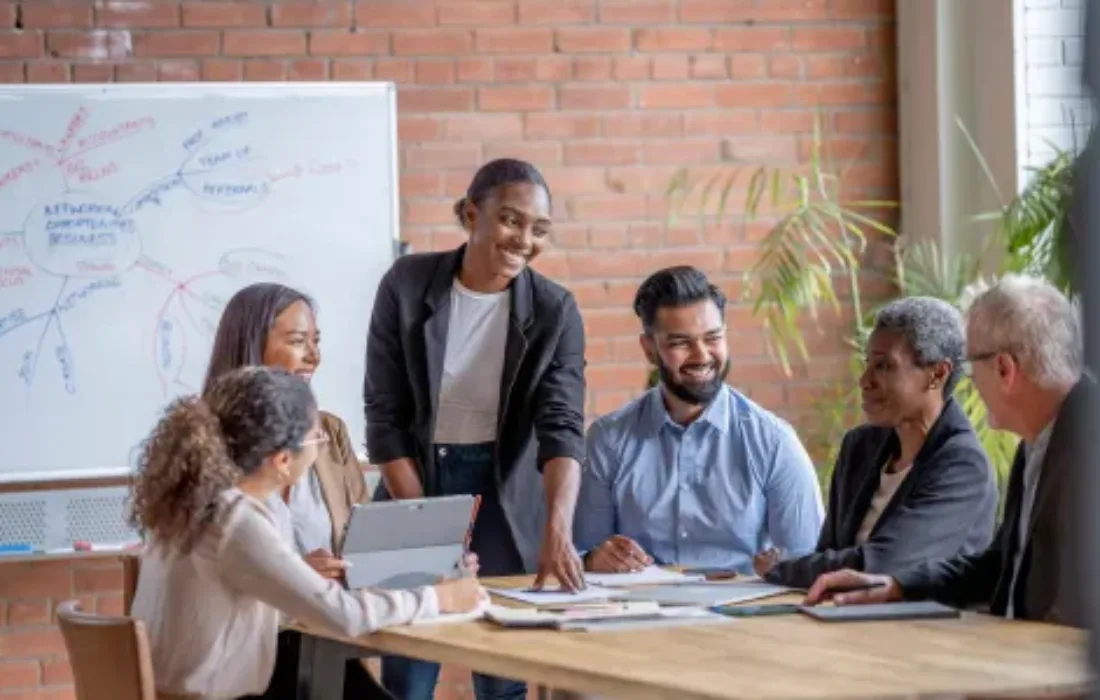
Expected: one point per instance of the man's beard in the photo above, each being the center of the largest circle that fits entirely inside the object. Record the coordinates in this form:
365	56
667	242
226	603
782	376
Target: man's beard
696	396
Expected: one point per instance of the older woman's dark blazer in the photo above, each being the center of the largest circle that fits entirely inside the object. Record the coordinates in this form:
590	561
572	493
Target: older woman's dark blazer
945	506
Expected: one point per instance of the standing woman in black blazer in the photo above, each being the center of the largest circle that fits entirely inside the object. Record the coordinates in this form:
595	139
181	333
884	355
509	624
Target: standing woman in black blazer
913	483
475	385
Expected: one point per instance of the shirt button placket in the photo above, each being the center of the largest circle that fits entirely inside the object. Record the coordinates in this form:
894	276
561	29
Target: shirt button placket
685	462
682	455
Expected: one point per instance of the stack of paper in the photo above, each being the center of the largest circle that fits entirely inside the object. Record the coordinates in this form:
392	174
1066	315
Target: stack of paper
647	576
705	594
613	617
553	596
666	617
504	614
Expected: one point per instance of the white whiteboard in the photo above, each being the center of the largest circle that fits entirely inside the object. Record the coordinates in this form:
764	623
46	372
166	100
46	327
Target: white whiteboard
128	217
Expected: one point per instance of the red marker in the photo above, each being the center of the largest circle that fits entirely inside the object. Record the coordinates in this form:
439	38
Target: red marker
473	519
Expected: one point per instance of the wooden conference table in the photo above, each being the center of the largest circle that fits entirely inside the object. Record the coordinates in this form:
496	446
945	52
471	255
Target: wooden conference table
789	656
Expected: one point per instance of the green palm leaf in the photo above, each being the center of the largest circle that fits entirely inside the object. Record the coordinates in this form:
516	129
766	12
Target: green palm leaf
817	239
1035	228
924	270
1036	224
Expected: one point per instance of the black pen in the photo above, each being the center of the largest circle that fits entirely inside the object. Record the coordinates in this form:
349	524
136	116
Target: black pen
859	587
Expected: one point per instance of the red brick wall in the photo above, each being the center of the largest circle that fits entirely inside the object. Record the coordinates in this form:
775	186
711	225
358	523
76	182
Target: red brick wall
33	663
608	97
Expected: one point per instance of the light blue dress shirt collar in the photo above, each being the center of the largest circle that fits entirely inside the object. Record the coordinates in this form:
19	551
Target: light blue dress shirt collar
655	414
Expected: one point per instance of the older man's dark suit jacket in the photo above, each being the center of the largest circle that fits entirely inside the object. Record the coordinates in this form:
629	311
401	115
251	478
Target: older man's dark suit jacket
946	505
1050	571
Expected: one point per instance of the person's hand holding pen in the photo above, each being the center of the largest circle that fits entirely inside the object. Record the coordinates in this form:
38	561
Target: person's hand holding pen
765	561
619	554
468	567
848	587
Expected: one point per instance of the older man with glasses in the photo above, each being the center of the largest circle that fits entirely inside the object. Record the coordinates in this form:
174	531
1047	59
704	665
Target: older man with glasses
1024	354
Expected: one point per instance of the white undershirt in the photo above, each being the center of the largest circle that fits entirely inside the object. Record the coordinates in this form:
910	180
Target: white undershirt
888	483
304	519
469	393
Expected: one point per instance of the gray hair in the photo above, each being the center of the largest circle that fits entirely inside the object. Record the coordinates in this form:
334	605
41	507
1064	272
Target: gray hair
933	330
1031	319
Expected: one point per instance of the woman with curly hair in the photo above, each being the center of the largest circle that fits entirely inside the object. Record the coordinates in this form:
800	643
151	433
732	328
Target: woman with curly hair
216	572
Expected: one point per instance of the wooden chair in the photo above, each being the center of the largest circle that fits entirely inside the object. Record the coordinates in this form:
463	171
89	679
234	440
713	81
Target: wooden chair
131	567
109	655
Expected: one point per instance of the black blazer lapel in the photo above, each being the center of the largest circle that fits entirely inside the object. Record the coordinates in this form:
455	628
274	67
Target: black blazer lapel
1058	455
951	418
519	321
1047	504
867	485
438	303
1010	531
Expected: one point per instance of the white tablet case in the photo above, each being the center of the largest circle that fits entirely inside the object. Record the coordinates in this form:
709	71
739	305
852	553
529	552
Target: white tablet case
404	544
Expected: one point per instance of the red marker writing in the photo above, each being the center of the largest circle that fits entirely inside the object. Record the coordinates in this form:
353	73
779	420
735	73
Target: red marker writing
473	519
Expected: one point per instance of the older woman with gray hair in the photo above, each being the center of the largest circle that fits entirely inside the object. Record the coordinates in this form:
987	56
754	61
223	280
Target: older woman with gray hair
913	483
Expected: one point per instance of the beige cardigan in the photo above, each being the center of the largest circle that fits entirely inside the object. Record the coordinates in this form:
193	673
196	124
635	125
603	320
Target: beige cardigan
212	615
341	476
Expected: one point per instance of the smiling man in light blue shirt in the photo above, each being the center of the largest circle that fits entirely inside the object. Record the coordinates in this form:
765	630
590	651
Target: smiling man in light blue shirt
692	473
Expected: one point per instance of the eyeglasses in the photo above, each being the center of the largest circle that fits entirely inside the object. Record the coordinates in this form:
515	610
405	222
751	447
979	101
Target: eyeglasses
316	440
968	363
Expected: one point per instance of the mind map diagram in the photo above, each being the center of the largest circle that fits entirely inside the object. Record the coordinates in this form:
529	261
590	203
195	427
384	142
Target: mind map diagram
88	243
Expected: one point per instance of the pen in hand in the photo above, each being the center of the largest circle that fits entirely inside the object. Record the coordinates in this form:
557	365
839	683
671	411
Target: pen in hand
473	520
860	587
468	566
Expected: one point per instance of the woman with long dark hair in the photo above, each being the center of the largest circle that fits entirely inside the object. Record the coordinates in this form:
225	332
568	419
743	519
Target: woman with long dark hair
276	326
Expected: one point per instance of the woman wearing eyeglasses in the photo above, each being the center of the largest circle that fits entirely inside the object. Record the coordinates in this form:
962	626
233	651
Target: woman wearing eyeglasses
275	325
217	574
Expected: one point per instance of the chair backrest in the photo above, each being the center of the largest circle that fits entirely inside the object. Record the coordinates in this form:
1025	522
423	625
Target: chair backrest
131	568
109	655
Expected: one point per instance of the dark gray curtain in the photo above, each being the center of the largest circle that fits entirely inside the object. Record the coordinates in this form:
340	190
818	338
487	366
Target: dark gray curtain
1086	249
